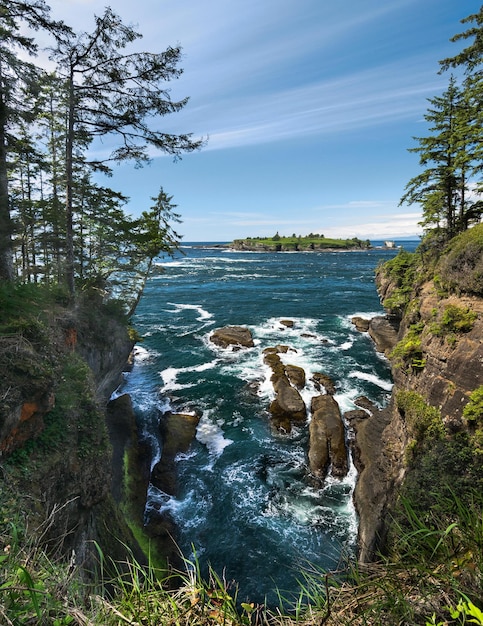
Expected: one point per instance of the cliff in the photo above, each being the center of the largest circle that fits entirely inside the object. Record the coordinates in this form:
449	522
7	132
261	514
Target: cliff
62	363
425	440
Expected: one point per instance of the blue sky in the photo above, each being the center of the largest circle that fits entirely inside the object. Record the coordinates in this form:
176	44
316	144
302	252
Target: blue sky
309	108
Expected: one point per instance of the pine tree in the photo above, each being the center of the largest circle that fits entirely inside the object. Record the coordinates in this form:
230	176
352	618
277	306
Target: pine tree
17	77
111	92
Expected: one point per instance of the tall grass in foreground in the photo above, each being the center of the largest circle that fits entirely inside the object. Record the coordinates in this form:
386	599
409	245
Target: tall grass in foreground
433	577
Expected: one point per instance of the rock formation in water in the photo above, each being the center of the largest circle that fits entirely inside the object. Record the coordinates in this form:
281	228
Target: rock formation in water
327	446
236	336
288	406
322	380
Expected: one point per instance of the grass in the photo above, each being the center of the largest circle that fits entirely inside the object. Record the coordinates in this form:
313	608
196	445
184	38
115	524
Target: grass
432	576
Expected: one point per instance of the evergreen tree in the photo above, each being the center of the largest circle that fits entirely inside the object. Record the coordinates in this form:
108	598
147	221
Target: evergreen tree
470	59
441	187
111	92
17	78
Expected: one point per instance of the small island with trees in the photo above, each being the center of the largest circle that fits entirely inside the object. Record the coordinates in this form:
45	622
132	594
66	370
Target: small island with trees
298	243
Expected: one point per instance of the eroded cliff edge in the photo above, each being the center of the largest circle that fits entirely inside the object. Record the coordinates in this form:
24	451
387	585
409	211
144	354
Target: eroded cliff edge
59	366
436	357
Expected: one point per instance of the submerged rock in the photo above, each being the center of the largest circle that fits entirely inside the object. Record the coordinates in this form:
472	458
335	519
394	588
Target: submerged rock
327	446
232	336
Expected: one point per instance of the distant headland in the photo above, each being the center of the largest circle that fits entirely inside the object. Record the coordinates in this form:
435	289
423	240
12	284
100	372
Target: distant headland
298	243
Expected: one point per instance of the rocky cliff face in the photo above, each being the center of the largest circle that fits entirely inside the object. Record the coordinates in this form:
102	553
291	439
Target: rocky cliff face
54	442
437	352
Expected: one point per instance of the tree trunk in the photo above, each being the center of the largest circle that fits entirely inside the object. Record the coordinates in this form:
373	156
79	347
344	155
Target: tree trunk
6	261
69	221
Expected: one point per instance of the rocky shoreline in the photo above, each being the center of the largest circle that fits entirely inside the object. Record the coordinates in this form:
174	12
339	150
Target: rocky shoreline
333	436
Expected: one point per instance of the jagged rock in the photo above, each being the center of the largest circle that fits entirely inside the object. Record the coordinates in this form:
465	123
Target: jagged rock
365	403
361	323
288	405
325	381
279	349
327	439
232	336
274	362
384	332
356	414
296	375
178	431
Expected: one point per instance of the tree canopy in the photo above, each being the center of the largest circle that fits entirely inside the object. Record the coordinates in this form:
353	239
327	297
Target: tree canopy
57	224
449	187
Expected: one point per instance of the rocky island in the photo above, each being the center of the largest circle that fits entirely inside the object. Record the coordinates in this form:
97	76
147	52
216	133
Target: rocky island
297	243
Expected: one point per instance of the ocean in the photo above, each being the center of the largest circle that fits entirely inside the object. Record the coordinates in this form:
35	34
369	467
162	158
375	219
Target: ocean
245	504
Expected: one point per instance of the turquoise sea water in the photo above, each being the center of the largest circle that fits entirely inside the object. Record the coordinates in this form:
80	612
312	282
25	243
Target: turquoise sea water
245	503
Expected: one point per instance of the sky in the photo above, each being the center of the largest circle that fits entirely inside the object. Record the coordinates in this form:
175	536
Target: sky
308	108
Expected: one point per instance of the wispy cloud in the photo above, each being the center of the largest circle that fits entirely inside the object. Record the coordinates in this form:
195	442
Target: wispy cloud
363	99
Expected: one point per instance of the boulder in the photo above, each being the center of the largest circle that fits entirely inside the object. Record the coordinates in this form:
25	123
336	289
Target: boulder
287	323
296	375
275	364
356	414
364	403
361	323
384	332
327	446
322	380
279	349
178	431
288	405
232	336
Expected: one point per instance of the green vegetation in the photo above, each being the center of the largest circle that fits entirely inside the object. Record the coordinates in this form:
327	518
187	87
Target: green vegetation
408	352
299	242
461	267
57	225
452	321
401	270
473	411
422	420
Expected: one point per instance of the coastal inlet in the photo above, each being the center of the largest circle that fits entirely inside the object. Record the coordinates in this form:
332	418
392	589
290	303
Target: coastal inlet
243	493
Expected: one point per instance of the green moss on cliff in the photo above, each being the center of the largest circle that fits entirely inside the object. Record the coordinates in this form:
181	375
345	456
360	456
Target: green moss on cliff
401	272
461	266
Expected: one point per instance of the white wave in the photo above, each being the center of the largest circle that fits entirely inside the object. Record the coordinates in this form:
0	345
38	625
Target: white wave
203	314
170	375
141	354
367	315
211	435
347	345
372	378
177	263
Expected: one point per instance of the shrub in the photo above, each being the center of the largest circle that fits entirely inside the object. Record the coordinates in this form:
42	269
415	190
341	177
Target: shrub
408	352
462	265
401	269
456	320
422	419
473	411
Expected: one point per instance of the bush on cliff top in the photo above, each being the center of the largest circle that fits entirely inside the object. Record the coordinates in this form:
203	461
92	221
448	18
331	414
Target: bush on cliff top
461	267
401	270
